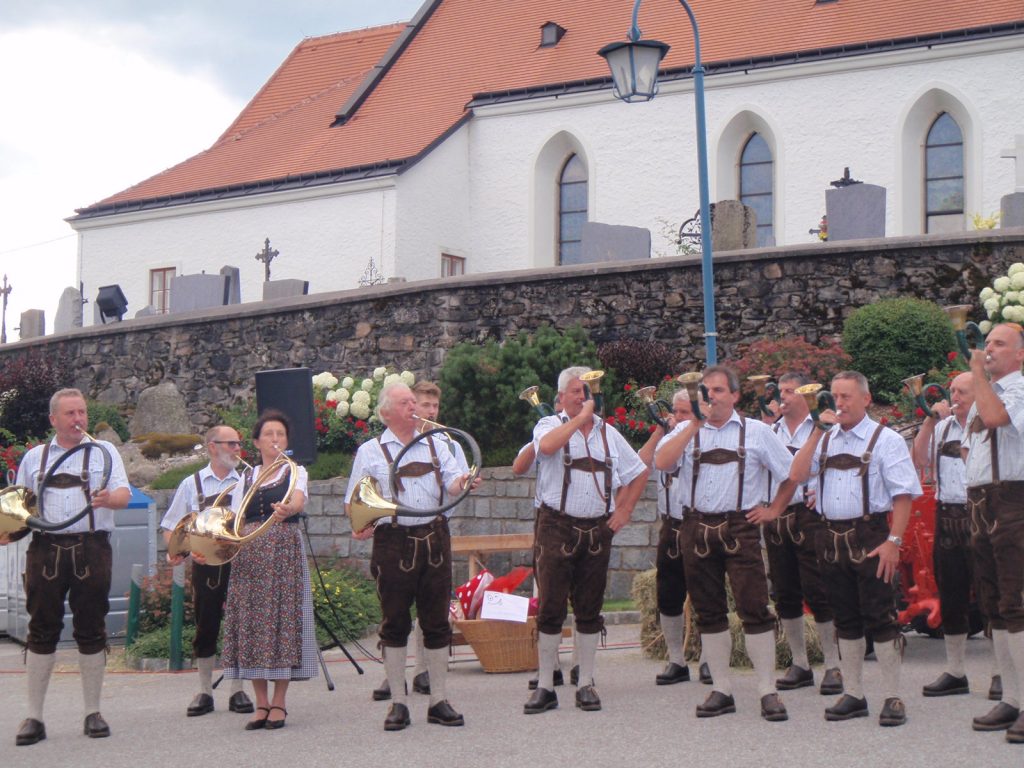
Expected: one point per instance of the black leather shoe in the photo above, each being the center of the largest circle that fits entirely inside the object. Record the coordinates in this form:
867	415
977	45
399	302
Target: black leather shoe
587	699
995	690
831	682
1015	733
95	726
383	692
847	708
240	703
795	677
717	703
672	674
999	718
705	675
893	712
772	708
273	725
559	679
201	705
398	718
258	723
574	675
541	700
29	732
421	683
947	685
442	713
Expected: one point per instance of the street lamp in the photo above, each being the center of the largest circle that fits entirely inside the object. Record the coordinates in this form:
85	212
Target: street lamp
634	68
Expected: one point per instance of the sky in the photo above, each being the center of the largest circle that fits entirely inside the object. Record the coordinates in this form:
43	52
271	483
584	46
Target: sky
97	95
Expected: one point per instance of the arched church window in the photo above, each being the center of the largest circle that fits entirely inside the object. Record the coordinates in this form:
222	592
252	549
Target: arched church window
944	176
756	185
572	210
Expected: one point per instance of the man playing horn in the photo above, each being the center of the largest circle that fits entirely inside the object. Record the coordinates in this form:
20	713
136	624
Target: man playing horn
74	562
588	480
411	560
995	498
864	472
725	459
209	582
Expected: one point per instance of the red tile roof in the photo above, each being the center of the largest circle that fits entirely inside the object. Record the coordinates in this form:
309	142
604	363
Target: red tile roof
467	47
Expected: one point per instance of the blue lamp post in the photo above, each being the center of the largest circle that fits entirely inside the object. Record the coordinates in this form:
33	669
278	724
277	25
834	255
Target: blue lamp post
634	68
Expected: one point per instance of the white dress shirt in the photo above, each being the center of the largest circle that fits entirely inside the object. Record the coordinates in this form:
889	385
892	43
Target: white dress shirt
678	492
952	472
186	500
1010	438
792	441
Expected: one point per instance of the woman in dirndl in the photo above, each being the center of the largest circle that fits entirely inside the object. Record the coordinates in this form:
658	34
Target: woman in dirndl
268	619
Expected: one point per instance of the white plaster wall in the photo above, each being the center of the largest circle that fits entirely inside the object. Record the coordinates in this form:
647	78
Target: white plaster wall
327	240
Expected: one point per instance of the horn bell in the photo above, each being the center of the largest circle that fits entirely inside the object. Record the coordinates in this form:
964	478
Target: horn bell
369	505
17	507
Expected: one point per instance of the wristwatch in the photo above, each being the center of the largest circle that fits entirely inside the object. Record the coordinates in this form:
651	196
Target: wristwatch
897	540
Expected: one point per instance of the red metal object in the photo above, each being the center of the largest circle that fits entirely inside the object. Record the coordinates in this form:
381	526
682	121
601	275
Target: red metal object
917	566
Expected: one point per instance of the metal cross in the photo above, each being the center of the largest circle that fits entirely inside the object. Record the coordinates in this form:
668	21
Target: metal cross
266	256
3	323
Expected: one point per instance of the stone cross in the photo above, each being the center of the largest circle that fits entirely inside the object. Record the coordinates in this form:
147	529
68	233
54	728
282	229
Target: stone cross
266	256
1016	153
3	323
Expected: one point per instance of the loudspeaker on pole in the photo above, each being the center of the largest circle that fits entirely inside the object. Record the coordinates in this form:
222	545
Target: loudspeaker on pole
290	390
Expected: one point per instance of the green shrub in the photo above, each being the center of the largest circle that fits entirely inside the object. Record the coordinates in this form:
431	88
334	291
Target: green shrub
330	465
172	477
105	413
155	603
354	600
26	384
896	338
156	644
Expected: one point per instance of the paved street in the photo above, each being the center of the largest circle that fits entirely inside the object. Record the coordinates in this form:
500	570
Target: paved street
641	724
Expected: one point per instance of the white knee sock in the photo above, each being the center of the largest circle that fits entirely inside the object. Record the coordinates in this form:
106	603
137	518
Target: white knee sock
394	667
236	686
851	662
1015	642
956	648
421	652
91	667
547	658
672	627
587	645
205	666
827	636
437	667
794	629
715	650
996	670
38	668
888	654
761	650
1001	650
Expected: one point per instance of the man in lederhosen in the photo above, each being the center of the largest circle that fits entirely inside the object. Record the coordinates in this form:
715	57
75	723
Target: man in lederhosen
863	471
209	582
995	494
937	448
793	548
588	480
412	559
74	562
726	456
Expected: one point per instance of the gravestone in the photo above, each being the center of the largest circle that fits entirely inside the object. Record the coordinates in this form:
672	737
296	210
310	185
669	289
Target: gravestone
69	311
1011	207
855	210
234	288
612	242
33	324
146	311
160	409
281	289
733	226
201	291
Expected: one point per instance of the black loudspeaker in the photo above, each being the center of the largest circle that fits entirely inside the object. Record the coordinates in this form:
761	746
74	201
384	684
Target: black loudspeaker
290	390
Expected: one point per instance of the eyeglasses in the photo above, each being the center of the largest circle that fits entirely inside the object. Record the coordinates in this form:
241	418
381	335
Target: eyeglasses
231	443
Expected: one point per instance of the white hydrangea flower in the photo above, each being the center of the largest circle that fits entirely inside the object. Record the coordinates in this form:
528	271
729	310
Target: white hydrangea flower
379	373
1011	297
985	326
1010	313
992	304
392	378
1017	281
1001	284
325	380
986	293
408	378
1014	269
348	382
360	409
361	396
367	385
342	409
342	394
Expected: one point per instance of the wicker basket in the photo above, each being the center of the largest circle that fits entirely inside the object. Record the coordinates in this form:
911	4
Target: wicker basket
502	646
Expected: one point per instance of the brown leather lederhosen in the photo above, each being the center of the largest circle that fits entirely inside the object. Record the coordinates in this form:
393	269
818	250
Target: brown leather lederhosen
951	555
209	591
712	522
670	578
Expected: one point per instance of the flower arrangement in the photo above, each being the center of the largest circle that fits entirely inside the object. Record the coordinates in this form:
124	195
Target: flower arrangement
345	407
1004	299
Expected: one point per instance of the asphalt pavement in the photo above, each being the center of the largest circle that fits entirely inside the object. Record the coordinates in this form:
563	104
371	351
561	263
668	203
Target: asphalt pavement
641	724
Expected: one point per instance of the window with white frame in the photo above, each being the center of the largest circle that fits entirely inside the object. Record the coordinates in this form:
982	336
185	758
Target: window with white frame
452	265
572	210
944	176
160	289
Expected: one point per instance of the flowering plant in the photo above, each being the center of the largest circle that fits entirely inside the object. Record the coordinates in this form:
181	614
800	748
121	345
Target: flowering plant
11	452
345	414
1004	299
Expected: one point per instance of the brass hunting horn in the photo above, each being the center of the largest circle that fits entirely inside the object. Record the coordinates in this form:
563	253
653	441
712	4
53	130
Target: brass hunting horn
592	388
368	503
695	389
919	391
968	334
657	408
766	391
816	396
530	395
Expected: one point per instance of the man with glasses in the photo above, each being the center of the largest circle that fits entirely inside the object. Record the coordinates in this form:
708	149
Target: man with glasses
209	582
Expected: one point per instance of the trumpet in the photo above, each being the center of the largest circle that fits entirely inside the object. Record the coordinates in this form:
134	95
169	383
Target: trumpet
919	391
816	396
766	391
592	388
968	334
530	395
655	406
369	505
691	381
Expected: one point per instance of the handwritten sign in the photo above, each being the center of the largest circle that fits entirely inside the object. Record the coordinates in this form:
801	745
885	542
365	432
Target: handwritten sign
505	607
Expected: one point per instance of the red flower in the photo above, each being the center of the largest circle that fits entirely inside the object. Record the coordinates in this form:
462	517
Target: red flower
883	421
919	413
320	426
632	424
668	377
361	425
951	356
610	420
628	387
652	427
620	411
331	404
897	414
